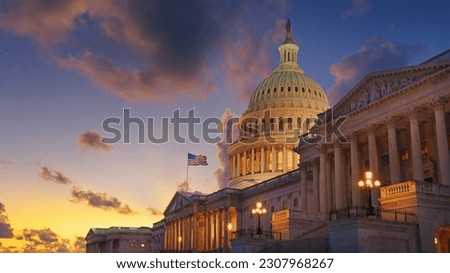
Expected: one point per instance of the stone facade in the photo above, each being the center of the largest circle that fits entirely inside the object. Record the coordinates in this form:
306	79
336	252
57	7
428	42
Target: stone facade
394	124
119	240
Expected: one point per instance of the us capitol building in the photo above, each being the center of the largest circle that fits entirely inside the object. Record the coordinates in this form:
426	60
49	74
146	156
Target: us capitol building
370	174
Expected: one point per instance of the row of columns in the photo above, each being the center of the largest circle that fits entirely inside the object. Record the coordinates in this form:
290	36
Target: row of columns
179	235
216	233
322	189
262	160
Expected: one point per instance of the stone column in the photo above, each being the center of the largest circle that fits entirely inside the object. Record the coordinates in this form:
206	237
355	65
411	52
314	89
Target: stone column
356	175
329	183
252	162
238	165
233	167
274	159
258	161
263	160
225	237
416	145
220	230
373	154
441	139
323	179
214	224
207	231
296	160
244	169
338	171
394	160
304	189
284	159
373	159
315	199
238	219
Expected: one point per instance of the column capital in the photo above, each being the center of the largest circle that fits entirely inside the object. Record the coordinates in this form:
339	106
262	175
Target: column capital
370	129
322	148
438	103
337	144
391	122
353	136
413	113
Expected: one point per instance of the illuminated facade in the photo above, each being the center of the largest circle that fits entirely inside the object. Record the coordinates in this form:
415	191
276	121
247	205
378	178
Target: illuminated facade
396	126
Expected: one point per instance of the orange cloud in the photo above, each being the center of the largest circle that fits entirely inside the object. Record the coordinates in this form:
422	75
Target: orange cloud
154	211
92	140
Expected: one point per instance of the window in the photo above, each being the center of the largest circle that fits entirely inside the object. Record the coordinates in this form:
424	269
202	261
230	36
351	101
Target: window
142	245
268	91
405	155
284	205
296	89
295	203
272	208
282	89
289	123
289	89
309	91
132	244
303	89
274	90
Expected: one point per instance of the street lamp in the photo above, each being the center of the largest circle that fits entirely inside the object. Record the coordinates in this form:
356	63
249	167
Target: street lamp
368	184
259	210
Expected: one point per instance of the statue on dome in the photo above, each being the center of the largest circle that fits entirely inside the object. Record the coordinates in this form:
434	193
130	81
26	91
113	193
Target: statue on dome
288	25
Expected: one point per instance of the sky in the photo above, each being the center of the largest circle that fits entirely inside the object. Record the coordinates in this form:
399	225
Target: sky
67	66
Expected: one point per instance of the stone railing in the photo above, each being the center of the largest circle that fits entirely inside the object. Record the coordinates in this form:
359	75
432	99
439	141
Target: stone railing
412	186
398	216
296	214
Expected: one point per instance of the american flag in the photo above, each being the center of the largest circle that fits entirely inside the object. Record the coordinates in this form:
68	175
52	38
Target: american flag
196	160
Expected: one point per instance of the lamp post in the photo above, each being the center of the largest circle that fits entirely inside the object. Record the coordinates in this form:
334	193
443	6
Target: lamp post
259	210
369	184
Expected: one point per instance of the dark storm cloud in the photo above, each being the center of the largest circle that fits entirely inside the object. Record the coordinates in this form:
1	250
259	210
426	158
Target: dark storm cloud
92	140
181	34
152	50
54	176
6	231
375	55
100	200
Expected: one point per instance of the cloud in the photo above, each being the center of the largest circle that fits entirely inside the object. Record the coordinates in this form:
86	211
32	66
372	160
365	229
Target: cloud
54	176
92	140
359	8
100	200
6	231
149	51
46	240
154	211
183	186
5	162
375	55
222	174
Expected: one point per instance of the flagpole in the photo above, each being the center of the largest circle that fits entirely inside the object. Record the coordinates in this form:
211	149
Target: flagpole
187	174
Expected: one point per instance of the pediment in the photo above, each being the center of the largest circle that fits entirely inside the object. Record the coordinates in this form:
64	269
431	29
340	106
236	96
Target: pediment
179	200
377	86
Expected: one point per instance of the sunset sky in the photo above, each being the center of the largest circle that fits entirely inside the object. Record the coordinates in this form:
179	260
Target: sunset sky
65	66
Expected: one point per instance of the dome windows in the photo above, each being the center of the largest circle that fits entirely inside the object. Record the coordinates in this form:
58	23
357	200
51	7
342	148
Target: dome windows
296	89
275	90
282	89
289	89
268	91
303	89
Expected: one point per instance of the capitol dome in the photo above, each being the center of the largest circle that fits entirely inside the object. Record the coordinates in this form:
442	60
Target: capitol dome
281	109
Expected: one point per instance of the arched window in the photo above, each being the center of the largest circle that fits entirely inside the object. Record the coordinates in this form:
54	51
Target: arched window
289	89
282	89
275	90
280	124
289	123
299	123
303	89
296	89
